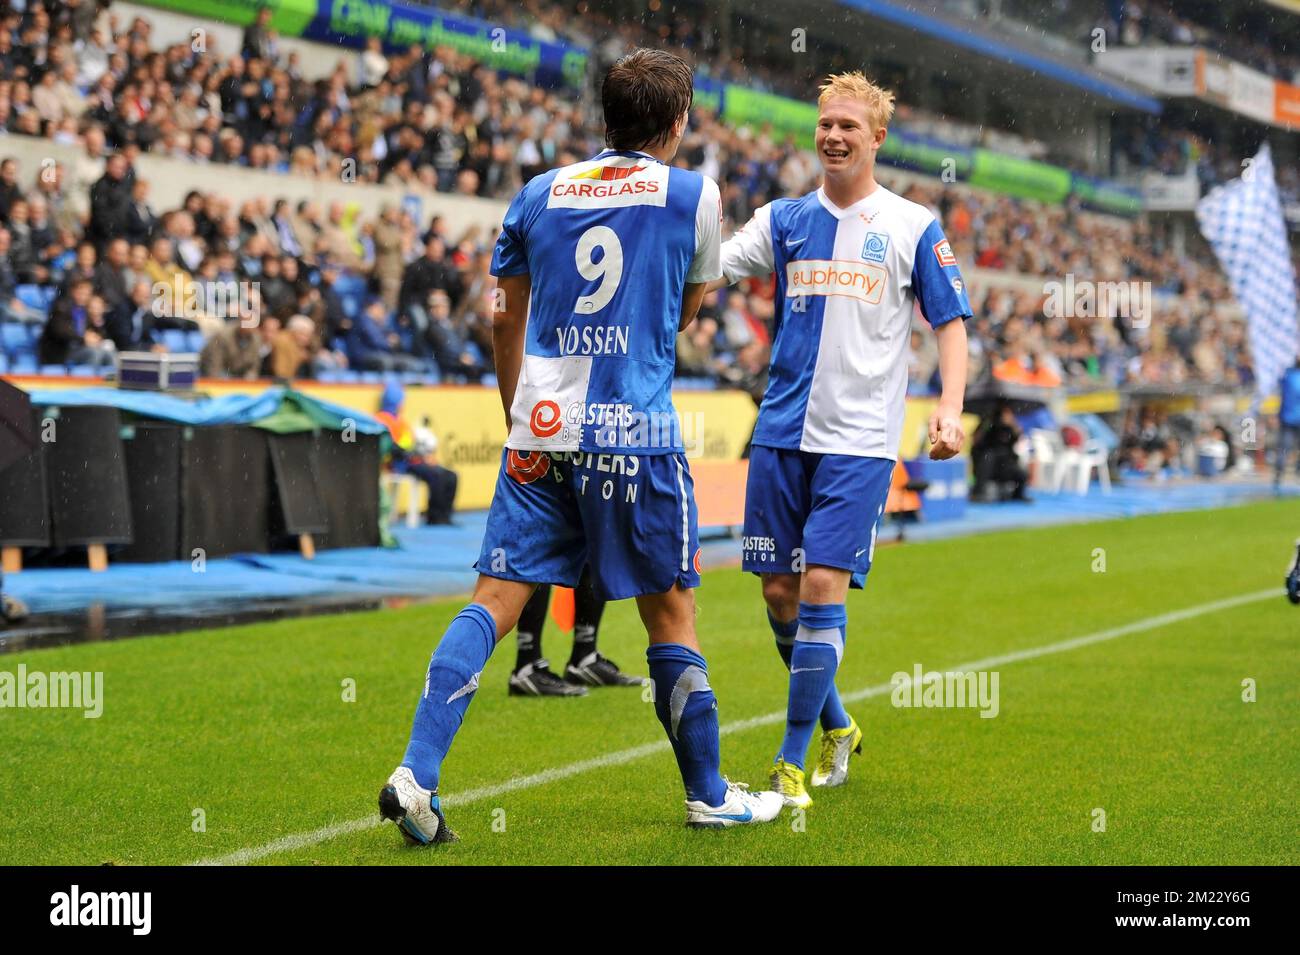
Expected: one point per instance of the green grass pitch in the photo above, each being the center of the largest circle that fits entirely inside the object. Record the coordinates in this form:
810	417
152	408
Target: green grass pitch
250	726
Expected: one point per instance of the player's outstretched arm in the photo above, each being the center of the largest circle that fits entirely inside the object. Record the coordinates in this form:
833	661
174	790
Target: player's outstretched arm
946	433
508	325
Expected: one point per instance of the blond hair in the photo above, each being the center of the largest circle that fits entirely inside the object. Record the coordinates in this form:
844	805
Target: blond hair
878	100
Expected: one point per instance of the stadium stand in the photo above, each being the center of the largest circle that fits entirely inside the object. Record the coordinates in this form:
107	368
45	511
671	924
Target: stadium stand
391	290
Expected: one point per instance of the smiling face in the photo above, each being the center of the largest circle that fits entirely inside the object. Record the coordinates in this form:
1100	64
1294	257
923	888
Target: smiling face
846	140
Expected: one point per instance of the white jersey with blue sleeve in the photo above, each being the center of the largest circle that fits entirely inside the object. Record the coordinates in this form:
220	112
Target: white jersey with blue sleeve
609	244
847	281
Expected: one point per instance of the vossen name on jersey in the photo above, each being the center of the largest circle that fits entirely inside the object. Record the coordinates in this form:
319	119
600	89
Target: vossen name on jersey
593	340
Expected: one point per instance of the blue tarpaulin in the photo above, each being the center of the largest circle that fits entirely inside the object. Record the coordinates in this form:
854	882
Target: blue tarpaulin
203	410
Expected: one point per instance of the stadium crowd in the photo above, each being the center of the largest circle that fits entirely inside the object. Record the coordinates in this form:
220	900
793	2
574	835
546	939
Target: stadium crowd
339	290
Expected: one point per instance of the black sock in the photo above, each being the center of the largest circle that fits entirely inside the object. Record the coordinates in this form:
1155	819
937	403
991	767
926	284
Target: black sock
587	611
528	632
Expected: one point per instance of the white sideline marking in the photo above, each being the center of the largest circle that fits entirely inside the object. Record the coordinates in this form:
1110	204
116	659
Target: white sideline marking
303	840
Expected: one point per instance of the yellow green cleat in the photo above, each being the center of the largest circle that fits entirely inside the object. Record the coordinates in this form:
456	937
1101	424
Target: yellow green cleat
833	766
787	779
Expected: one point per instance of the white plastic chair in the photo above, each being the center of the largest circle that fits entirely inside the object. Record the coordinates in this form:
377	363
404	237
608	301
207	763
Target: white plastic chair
394	483
1094	457
1056	463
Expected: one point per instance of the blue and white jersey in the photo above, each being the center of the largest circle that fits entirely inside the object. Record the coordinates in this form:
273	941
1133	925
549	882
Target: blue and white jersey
846	284
610	244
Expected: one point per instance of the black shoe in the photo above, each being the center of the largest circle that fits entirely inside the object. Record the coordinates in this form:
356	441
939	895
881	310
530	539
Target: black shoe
12	609
1293	579
597	670
536	679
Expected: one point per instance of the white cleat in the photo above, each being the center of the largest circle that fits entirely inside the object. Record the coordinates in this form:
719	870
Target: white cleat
415	810
739	808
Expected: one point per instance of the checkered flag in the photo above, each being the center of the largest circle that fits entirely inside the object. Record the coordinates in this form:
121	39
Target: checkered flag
1242	221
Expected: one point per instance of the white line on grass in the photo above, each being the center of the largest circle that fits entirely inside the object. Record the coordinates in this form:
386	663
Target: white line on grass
304	840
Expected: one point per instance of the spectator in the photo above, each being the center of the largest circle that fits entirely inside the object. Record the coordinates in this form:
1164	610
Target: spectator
450	350
233	352
110	202
371	347
11	308
374	65
259	38
291	350
415	452
1288	421
388	254
429	273
999	475
140	218
9	191
110	276
75	333
131	325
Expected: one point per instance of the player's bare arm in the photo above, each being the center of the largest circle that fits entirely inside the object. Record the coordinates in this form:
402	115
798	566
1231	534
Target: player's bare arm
508	326
947	437
692	298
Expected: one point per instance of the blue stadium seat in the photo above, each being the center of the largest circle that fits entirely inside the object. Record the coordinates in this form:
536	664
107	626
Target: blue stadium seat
350	284
23	363
82	371
349	375
194	340
4	363
15	337
173	340
33	296
53	370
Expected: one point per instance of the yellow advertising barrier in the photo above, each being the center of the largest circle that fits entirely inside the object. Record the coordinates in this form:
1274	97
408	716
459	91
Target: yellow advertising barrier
470	425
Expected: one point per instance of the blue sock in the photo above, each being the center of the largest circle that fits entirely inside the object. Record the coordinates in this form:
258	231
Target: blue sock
833	715
688	710
784	633
818	646
448	688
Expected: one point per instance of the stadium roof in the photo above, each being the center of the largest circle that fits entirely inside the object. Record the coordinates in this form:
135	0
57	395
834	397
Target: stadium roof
1083	76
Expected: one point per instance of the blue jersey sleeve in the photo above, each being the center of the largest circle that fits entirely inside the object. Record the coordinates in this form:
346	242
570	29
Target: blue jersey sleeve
510	257
936	281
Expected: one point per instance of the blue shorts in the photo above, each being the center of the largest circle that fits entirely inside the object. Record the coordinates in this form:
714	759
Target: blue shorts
631	516
804	508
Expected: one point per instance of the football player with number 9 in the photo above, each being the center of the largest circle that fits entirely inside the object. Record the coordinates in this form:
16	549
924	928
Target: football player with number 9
600	264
